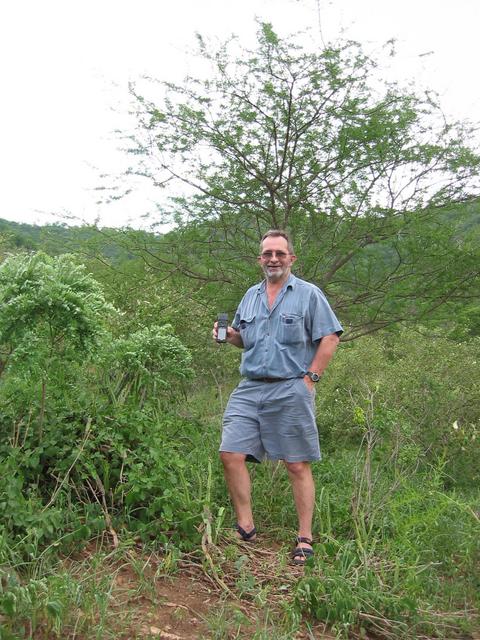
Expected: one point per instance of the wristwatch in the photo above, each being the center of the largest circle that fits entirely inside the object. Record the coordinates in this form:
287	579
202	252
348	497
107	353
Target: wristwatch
314	377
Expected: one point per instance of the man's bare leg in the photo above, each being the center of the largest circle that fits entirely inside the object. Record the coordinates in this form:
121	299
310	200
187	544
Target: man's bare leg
239	487
303	486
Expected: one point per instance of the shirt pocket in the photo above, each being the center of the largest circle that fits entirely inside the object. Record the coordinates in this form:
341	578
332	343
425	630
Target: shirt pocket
247	328
291	329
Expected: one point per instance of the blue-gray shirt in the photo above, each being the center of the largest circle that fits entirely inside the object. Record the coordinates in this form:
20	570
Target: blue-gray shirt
280	342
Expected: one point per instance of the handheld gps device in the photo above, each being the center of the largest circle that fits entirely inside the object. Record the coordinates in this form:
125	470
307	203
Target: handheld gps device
222	326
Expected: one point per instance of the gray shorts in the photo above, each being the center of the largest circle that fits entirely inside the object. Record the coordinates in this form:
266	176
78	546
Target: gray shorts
274	420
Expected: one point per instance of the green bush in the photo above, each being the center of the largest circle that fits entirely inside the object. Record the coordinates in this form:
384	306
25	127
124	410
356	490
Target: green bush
87	423
420	390
147	364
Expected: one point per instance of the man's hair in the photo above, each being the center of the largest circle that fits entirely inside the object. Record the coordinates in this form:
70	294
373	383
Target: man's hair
278	233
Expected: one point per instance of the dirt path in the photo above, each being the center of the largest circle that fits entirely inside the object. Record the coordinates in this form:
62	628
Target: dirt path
229	590
235	591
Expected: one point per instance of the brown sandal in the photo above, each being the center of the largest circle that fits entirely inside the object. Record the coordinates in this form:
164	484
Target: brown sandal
246	537
301	554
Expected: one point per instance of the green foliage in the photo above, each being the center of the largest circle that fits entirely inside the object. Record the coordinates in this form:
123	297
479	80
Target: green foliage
281	137
153	352
80	414
146	363
396	387
397	552
424	549
160	482
65	601
110	421
393	537
16	237
52	315
351	593
49	302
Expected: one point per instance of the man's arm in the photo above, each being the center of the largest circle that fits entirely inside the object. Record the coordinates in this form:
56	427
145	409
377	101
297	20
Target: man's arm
322	357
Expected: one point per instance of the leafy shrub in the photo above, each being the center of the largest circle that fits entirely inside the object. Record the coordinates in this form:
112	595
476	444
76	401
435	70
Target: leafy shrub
52	315
147	363
84	441
52	302
419	389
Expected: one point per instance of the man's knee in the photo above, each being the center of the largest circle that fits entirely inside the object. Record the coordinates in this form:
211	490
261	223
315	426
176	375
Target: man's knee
231	459
298	469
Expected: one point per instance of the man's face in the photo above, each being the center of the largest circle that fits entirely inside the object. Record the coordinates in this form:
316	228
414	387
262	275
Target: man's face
275	259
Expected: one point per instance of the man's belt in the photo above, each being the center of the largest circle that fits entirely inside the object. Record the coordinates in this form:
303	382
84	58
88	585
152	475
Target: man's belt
269	379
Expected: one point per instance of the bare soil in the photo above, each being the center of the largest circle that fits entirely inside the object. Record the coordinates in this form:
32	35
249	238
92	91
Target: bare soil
222	592
217	596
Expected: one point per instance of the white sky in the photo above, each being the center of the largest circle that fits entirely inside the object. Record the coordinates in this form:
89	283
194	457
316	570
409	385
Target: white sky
65	67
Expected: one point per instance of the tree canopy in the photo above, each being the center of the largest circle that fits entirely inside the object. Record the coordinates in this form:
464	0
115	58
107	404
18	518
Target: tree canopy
367	179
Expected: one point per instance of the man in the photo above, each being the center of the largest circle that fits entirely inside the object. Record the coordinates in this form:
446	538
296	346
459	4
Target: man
289	334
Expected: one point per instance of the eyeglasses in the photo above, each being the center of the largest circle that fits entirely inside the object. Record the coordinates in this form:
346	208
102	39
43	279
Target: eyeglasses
268	255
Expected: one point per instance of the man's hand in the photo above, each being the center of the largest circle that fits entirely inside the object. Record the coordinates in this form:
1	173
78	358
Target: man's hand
233	336
309	383
322	357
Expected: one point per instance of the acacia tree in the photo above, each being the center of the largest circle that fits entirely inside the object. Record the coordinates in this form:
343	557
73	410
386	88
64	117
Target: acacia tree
368	182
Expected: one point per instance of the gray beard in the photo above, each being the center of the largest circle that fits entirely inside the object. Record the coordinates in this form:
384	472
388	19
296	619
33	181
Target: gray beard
277	275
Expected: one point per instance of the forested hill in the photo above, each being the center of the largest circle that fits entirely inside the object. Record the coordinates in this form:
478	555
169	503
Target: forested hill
55	239
31	236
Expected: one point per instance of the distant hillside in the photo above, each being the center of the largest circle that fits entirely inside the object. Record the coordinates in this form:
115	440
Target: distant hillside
55	239
20	235
118	245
